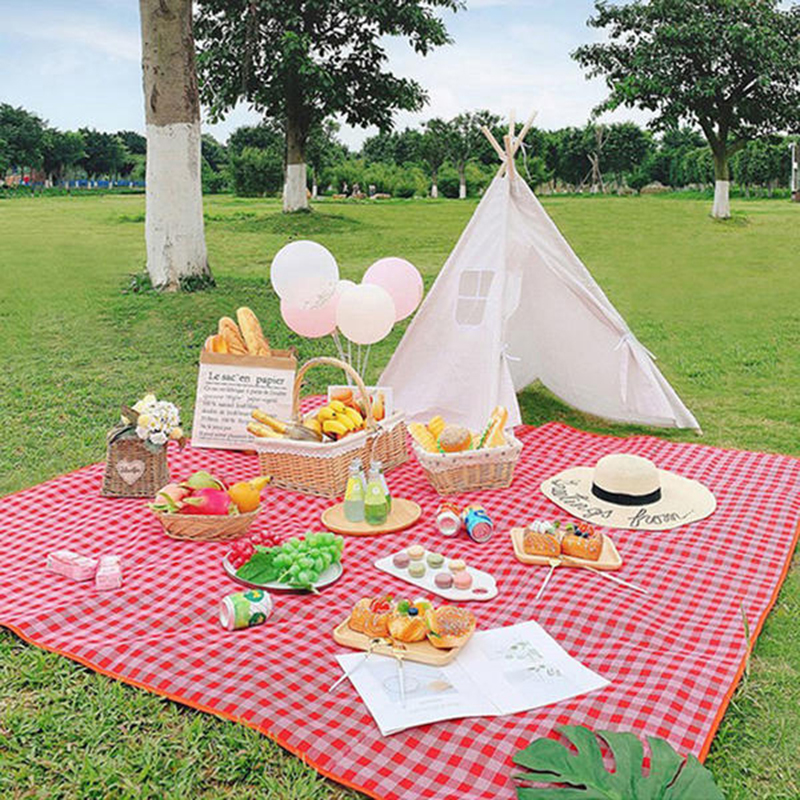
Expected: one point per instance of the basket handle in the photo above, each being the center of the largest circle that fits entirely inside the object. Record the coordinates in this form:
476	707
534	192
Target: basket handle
331	362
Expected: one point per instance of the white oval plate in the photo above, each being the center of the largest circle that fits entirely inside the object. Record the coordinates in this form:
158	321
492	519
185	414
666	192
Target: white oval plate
329	576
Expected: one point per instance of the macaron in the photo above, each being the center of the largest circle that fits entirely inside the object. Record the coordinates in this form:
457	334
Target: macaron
443	580
457	565
401	560
435	560
416	569
462	580
416	552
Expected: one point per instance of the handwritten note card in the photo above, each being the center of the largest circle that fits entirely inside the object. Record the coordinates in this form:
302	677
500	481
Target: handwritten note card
230	387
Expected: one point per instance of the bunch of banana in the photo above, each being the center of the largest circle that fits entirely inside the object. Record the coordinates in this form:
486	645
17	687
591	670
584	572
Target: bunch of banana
337	420
267	427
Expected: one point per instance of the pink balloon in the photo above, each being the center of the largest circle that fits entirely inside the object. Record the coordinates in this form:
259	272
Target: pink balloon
311	322
401	279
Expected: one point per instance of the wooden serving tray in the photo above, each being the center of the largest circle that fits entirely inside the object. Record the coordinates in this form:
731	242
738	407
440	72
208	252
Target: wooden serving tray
423	652
403	515
610	558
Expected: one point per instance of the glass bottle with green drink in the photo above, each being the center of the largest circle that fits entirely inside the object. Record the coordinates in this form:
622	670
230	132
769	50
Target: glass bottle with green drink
379	466
375	510
354	493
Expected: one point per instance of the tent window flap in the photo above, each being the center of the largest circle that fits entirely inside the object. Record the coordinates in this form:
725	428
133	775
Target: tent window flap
473	289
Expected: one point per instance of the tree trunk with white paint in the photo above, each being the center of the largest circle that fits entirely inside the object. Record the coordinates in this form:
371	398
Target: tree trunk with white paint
176	247
295	193
435	184
462	182
722	187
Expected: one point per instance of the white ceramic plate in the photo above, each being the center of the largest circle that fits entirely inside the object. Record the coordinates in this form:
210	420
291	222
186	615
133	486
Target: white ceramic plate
329	576
483	584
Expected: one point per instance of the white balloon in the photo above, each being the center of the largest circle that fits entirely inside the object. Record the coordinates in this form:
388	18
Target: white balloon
304	274
343	284
366	313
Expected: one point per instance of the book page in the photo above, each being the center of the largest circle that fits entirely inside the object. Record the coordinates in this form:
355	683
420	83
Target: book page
522	667
431	693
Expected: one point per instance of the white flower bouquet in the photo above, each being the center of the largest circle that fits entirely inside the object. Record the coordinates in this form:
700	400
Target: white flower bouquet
154	421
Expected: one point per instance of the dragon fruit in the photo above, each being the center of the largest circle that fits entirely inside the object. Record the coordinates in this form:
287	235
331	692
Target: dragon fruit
209	501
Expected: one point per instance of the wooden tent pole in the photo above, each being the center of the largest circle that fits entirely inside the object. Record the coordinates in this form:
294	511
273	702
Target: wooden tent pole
509	156
524	132
493	142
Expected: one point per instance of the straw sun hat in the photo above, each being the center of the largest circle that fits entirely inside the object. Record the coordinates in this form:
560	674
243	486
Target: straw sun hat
630	492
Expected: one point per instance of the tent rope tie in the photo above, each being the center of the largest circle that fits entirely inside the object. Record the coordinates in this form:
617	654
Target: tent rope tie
629	339
505	354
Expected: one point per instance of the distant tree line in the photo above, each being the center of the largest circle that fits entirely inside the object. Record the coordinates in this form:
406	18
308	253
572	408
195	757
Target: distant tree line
449	158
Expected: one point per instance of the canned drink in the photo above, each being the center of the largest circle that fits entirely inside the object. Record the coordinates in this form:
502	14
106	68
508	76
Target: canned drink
478	523
245	609
448	519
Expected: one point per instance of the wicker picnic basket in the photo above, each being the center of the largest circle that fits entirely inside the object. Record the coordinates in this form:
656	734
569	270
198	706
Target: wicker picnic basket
471	470
323	468
132	468
206	528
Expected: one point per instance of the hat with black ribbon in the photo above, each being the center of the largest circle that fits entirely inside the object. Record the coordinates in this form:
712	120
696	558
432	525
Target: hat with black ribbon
630	492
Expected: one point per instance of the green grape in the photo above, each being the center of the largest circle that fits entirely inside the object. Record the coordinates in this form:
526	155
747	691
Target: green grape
304	578
319	564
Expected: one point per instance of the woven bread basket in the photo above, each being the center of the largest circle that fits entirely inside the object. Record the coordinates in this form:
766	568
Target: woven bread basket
471	470
322	469
208	527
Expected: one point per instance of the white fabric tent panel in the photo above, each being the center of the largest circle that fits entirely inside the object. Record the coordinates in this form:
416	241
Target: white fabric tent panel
512	304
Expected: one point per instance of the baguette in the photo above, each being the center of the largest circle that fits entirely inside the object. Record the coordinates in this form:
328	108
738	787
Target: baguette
216	344
229	331
257	345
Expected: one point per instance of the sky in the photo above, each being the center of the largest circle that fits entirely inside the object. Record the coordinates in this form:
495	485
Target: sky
77	64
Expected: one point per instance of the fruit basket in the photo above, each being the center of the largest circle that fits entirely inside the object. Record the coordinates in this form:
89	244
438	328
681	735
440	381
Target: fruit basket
206	528
322	468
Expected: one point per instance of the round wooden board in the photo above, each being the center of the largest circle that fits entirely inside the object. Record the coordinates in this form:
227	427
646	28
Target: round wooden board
403	515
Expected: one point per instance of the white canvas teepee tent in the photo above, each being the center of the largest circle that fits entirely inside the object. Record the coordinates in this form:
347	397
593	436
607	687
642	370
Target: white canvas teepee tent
513	304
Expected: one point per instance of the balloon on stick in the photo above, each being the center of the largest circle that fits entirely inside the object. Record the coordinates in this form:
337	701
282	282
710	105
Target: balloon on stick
402	281
304	274
311	322
365	314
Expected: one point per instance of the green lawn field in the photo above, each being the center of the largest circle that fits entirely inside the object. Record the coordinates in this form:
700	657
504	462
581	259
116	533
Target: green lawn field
719	303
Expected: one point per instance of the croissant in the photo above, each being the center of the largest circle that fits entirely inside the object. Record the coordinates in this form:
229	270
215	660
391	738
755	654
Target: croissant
407	622
449	626
540	543
371	615
582	542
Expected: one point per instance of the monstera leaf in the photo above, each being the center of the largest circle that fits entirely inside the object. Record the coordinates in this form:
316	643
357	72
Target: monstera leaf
671	777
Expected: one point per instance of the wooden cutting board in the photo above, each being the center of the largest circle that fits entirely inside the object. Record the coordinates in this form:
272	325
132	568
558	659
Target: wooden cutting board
403	515
609	555
423	652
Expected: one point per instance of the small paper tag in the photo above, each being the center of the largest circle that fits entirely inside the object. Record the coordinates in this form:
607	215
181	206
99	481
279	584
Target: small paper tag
130	471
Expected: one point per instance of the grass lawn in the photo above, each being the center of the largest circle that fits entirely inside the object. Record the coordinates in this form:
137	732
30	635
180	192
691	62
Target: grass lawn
717	302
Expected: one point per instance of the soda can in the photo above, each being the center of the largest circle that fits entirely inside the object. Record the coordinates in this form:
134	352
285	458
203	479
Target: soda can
245	609
448	519
478	523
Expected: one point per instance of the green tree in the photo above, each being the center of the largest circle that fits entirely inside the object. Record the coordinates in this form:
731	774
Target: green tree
625	148
380	147
104	153
256	172
23	134
433	149
214	153
732	67
266	136
135	142
323	150
60	151
465	141
302	61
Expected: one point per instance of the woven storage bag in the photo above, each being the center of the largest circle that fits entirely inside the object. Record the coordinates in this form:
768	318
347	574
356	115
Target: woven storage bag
132	468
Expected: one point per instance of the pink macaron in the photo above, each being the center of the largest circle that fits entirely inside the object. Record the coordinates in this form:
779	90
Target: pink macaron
462	580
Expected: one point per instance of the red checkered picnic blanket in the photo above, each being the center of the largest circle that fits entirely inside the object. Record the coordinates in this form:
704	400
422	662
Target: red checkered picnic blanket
673	657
